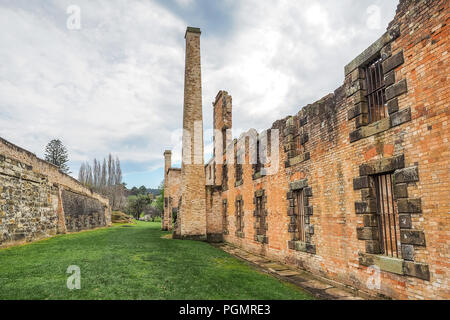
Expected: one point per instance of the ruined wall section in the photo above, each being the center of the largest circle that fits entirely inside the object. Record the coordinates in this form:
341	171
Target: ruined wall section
32	199
174	184
165	221
330	151
82	212
223	108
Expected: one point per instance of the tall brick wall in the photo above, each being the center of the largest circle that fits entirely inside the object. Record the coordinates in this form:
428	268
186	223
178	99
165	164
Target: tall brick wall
38	201
330	155
330	152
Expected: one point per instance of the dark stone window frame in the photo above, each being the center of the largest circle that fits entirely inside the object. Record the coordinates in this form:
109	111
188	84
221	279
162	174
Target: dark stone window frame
225	217
357	88
259	166
367	207
293	244
225	177
375	91
295	138
238	168
239	214
259	215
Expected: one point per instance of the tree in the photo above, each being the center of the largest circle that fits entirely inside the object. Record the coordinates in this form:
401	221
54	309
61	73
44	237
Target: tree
142	190
159	203
105	179
137	205
56	153
134	191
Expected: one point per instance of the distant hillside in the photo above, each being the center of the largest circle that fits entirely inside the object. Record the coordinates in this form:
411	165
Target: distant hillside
155	192
141	190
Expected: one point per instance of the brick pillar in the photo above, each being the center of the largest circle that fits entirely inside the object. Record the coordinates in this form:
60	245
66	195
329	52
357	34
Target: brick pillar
191	222
61	227
165	221
222	135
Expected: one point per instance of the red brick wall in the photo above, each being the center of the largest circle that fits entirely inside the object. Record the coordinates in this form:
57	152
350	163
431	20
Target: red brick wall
332	160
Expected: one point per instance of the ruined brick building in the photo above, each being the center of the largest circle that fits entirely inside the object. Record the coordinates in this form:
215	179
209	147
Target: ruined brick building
362	179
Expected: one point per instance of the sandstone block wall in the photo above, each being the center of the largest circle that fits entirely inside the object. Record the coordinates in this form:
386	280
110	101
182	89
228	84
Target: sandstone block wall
38	201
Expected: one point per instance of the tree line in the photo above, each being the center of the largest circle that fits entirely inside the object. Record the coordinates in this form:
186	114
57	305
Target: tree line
105	178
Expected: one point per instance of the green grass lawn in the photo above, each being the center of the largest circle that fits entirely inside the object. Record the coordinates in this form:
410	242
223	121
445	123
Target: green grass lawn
133	263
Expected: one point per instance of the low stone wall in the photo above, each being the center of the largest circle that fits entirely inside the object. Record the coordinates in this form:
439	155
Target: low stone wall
82	212
38	201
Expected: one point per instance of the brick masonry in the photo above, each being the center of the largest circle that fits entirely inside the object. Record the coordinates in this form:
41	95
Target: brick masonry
38	201
191	221
330	145
172	180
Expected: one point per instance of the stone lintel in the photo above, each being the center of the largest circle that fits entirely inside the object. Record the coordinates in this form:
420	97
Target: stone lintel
299	184
370	53
382	166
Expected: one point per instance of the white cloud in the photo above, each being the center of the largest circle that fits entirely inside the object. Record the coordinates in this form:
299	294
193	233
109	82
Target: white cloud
285	55
96	88
184	3
116	85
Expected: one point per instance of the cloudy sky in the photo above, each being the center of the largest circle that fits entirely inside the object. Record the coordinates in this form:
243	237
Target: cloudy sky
114	81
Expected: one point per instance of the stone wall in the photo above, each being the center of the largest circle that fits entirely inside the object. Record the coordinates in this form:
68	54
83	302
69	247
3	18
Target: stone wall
28	203
38	201
330	151
173	199
82	212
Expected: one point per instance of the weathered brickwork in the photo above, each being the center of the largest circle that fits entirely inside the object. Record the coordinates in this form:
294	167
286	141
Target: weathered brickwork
38	201
172	204
172	177
333	152
191	221
214	220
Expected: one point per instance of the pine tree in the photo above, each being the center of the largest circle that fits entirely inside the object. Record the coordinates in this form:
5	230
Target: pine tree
56	153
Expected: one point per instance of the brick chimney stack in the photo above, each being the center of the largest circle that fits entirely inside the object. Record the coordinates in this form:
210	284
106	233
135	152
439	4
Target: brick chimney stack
191	221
